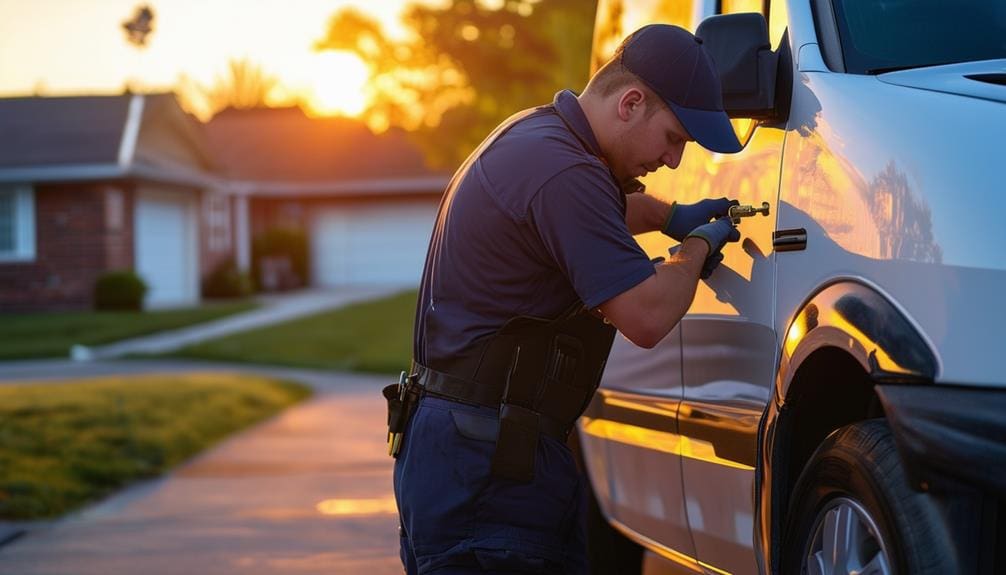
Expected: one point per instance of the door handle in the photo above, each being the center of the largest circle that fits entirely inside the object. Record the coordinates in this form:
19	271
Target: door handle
789	240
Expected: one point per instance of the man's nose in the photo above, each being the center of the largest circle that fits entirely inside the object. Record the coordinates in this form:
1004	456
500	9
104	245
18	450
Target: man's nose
672	158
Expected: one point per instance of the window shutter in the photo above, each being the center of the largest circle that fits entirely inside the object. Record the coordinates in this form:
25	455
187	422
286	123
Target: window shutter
8	211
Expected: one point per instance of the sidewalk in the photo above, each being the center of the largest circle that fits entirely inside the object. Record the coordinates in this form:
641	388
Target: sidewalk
276	308
307	492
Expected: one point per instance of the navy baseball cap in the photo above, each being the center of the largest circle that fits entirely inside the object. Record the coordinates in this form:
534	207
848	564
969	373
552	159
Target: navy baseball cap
675	65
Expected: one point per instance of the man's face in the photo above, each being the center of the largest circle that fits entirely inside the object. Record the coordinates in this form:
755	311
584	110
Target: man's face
647	141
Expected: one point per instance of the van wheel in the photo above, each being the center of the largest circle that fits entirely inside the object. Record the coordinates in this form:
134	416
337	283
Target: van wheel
852	511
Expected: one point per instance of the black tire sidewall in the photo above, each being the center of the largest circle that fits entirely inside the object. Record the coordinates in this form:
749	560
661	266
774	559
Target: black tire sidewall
837	470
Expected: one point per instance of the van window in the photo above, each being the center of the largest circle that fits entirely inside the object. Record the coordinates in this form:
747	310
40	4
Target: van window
617	18
778	19
737	6
886	35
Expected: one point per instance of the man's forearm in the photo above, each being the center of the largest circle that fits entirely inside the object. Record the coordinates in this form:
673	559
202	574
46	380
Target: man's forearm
651	309
677	280
645	213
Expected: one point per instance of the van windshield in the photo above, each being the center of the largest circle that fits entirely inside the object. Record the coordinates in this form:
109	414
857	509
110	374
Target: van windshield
885	35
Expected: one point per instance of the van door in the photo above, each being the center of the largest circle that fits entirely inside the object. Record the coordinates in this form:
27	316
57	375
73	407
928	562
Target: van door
630	434
729	350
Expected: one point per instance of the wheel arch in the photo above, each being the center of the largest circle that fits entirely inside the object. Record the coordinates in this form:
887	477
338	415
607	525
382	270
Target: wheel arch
844	340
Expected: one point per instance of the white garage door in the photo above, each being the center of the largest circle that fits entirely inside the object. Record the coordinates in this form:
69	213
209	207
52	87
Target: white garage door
165	241
371	245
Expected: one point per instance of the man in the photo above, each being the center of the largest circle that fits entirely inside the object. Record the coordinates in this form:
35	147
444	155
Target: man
531	263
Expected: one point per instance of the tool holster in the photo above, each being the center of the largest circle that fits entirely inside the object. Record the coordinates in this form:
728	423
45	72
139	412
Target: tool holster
402	398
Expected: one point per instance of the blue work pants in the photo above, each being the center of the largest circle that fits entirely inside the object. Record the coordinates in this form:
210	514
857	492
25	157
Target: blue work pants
457	518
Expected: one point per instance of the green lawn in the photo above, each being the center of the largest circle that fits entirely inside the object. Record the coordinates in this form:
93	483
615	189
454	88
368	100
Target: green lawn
64	444
24	336
374	336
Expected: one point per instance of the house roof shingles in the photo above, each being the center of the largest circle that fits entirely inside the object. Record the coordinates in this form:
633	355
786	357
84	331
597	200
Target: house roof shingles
262	151
64	130
283	144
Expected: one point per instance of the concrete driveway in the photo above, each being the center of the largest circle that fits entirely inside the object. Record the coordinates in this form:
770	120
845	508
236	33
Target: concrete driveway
309	491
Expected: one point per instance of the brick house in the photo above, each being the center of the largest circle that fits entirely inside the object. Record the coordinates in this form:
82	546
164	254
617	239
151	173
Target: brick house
366	202
98	183
92	184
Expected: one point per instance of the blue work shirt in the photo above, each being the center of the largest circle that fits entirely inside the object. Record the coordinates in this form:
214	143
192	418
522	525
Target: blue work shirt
530	225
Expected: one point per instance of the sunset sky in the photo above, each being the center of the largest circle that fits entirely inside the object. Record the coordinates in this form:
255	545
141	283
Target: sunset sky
56	47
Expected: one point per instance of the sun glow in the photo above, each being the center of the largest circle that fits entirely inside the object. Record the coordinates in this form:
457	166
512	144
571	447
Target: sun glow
338	84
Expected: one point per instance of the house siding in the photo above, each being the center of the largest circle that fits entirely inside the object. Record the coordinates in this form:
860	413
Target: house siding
119	239
73	247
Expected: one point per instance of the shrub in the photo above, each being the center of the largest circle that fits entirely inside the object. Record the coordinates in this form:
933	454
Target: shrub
284	252
119	290
227	281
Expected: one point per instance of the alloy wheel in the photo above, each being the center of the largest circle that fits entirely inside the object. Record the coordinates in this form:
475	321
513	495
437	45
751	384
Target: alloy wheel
845	540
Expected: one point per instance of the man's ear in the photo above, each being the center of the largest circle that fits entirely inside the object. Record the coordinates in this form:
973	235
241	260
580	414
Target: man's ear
631	103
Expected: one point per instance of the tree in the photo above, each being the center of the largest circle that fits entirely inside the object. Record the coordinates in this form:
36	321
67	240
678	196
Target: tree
466	65
245	85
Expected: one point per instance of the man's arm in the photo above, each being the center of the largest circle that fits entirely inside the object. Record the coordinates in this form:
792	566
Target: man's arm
650	310
645	213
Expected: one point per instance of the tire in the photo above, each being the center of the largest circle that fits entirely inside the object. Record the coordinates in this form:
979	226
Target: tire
854	483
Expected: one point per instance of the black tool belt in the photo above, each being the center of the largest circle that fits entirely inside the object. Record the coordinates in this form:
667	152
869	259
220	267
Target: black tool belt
541	374
439	384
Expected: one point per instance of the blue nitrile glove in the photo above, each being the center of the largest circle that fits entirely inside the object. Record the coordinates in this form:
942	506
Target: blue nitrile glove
717	234
711	263
684	218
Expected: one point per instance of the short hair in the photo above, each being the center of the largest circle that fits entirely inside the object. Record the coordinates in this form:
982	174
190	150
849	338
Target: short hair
613	76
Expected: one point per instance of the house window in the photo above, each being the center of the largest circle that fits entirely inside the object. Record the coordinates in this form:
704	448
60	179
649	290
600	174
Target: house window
17	224
218	220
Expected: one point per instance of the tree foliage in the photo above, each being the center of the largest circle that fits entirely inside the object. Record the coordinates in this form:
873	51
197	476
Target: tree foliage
466	65
245	85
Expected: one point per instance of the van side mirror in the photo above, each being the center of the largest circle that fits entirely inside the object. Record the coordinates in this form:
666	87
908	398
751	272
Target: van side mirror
740	47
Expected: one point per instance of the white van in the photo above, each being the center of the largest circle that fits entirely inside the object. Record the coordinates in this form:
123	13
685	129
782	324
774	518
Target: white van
834	400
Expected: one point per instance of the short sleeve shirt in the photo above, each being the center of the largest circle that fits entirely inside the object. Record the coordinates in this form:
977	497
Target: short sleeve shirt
532	224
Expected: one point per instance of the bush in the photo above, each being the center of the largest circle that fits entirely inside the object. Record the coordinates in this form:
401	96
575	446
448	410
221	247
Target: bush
119	290
280	259
227	281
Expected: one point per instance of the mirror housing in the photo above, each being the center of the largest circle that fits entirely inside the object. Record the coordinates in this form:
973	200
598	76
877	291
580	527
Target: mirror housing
739	46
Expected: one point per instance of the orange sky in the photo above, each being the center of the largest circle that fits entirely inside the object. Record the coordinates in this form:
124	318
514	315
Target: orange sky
77	46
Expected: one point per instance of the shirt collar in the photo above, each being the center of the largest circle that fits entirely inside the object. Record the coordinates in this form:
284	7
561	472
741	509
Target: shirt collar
569	109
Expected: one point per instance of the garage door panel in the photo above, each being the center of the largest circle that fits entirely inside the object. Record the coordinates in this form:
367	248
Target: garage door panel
375	245
165	256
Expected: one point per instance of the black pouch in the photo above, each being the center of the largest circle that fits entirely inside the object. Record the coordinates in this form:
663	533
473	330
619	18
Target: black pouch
516	443
402	398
